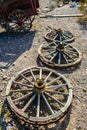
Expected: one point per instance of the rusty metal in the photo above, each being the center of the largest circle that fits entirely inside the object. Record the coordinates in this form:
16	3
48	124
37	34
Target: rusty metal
59	54
59	35
39	95
17	12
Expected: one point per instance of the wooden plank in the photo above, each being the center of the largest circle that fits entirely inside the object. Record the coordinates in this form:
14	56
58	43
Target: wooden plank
60	16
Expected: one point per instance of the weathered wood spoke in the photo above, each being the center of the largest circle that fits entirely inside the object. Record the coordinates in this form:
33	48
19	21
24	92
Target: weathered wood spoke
48	105
23	76
22	84
54	80
65	58
50	53
69	56
40	74
33	74
56	92
38	106
59	57
53	56
21	90
29	102
57	86
48	76
22	97
56	100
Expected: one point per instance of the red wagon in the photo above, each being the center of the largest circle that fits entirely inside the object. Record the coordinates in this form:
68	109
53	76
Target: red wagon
18	15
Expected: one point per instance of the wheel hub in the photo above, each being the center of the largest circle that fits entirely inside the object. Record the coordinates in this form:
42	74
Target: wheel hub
39	86
60	47
20	23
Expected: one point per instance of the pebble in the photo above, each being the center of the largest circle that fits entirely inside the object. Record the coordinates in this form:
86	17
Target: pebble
4	77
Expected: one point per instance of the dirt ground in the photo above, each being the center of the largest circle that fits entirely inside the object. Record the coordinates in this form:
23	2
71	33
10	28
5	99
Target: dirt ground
19	51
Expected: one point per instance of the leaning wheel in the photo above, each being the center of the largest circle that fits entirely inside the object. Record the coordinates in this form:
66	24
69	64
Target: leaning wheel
18	21
39	95
59	35
59	54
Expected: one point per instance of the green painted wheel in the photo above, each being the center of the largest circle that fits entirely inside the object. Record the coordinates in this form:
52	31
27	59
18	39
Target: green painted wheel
39	95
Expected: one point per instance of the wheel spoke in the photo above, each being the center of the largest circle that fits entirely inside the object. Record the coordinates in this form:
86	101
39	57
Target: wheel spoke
56	92
55	36
33	74
65	58
22	84
56	86
59	58
56	100
29	102
48	105
23	97
26	78
54	56
21	90
38	106
48	76
69	56
68	36
50	53
40	75
48	46
71	53
51	82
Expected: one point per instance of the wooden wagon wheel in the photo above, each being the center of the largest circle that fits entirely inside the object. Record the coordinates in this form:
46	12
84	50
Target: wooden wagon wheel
59	54
19	21
39	95
59	35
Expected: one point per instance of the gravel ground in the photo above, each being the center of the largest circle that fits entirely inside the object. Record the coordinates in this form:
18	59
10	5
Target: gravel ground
19	51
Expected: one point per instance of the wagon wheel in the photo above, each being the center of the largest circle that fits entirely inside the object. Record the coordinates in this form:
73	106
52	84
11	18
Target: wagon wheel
59	55
39	95
19	21
59	35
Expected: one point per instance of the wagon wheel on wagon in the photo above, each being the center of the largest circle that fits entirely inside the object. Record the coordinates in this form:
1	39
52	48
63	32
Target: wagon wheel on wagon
59	54
39	95
19	21
59	35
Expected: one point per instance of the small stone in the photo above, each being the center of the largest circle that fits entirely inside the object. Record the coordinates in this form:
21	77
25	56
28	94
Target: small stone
3	70
13	64
84	90
4	77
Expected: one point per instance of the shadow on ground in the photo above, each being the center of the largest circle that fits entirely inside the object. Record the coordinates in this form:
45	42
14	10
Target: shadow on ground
9	121
83	25
12	45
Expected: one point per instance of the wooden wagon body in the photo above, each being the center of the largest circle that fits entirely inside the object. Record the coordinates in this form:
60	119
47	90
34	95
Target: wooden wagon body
19	8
